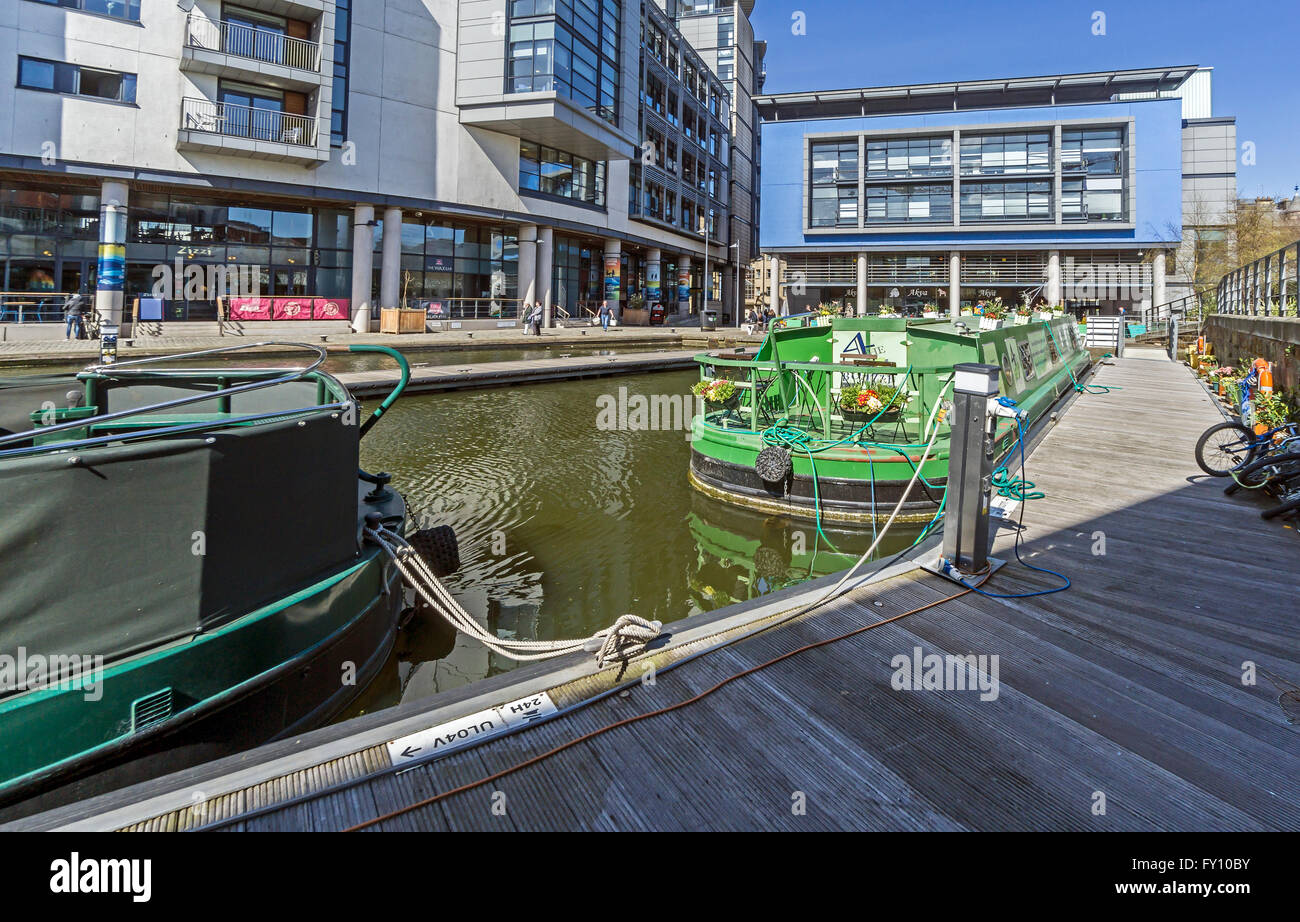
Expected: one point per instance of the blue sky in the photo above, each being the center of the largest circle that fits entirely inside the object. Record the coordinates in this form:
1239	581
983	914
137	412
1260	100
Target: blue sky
1253	46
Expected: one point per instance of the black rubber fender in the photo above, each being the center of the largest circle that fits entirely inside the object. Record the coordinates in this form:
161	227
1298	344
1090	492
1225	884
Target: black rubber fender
438	548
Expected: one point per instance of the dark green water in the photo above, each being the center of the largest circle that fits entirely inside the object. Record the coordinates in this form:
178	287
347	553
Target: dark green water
563	526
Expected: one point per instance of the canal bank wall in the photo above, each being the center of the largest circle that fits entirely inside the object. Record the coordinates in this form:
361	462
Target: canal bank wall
1240	340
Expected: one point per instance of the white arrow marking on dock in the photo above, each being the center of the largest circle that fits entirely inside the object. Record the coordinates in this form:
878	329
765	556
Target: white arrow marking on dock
464	731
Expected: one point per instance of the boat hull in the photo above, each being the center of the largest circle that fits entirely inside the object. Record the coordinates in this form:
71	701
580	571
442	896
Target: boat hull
841	499
356	617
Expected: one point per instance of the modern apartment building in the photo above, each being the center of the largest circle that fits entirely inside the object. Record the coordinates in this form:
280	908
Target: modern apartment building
1071	189
466	156
721	32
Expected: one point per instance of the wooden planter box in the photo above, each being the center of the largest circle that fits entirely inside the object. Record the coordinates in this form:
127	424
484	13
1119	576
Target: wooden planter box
401	320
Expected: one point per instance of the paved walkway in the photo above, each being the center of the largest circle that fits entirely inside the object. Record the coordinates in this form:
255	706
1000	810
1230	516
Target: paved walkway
37	352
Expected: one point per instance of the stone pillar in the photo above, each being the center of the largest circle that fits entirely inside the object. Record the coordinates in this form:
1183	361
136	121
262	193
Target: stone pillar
774	283
614	278
363	261
954	284
684	285
110	277
1052	290
654	285
390	268
1159	296
545	272
862	284
527	287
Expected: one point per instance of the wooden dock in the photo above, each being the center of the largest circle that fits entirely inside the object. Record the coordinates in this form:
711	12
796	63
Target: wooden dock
1120	703
430	378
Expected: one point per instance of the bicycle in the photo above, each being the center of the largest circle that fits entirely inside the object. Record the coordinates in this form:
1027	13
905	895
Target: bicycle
1231	446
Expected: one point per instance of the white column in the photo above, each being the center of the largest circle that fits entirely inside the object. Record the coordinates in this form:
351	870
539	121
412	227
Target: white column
545	272
390	269
654	283
614	267
954	284
110	278
1052	290
684	285
862	284
527	286
774	283
1158	295
363	261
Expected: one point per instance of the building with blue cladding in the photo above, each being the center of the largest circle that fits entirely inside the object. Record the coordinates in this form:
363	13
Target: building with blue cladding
1078	189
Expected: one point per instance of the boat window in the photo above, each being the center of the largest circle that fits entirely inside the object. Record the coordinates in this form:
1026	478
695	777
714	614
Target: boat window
1027	360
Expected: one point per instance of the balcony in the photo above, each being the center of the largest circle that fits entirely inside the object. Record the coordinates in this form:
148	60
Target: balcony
230	49
266	134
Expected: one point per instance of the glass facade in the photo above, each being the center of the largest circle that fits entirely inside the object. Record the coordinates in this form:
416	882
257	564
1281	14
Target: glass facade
835	184
1016	154
447	260
1092	175
342	52
567	46
118	9
911	203
1004	178
1002	202
908	158
548	171
75	80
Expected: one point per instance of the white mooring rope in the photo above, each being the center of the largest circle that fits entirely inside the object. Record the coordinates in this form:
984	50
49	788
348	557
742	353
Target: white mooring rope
627	637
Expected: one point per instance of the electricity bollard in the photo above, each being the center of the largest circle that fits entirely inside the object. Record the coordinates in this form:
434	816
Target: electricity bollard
966	538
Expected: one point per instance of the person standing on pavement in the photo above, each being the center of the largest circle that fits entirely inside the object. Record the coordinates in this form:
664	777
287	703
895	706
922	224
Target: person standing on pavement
72	319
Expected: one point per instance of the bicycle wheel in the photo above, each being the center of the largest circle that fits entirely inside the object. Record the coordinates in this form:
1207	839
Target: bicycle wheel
1263	470
1281	509
1223	448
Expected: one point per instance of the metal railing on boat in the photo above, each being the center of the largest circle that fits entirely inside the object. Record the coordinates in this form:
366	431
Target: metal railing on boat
131	368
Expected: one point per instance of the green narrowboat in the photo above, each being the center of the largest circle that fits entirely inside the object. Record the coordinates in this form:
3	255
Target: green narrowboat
827	420
185	569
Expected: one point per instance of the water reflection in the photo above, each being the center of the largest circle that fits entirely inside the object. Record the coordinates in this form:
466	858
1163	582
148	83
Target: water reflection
563	525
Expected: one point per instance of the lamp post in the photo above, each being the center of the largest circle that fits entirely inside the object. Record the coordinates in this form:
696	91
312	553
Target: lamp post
705	286
736	246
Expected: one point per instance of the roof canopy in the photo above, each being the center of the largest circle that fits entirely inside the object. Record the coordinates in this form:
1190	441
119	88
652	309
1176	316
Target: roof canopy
1014	92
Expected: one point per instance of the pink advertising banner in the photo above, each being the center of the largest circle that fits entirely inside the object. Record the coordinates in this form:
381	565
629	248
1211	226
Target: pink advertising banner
291	308
330	308
250	308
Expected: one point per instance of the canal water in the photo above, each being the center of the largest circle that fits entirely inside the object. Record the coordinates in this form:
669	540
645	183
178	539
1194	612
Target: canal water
565	523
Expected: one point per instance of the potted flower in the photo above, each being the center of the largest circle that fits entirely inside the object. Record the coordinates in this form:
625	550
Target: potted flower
861	403
887	312
718	393
1271	411
994	313
1223	375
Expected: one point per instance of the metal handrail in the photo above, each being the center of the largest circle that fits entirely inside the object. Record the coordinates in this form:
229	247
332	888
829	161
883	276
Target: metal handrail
251	42
250	122
295	374
1248	289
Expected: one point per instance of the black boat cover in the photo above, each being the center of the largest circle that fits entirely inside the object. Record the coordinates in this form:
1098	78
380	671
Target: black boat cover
139	544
